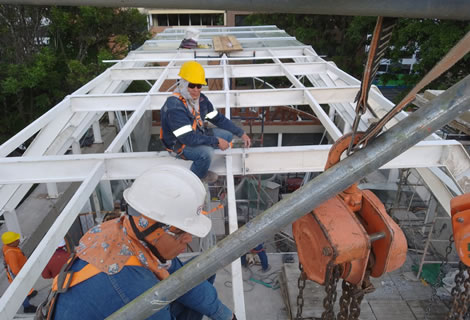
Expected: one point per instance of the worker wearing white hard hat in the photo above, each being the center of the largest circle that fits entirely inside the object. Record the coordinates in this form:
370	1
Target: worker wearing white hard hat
124	257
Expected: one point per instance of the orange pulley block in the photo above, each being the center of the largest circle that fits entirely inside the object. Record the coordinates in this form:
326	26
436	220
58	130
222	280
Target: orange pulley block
460	211
351	229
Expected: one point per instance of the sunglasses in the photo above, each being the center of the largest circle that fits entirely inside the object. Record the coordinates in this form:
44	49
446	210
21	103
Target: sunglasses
193	85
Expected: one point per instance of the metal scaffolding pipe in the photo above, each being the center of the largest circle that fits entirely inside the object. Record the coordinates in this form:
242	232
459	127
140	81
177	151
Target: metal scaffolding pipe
448	9
387	146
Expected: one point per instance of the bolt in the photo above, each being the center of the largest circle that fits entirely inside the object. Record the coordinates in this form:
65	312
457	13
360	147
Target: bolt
327	251
461	220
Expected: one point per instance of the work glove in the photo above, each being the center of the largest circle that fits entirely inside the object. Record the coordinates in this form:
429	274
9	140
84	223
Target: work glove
250	259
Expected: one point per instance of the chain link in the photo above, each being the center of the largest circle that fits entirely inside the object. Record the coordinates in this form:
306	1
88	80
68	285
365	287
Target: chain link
300	297
333	274
344	301
460	293
350	302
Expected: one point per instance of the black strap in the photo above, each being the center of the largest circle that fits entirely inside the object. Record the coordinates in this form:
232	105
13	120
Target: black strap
141	236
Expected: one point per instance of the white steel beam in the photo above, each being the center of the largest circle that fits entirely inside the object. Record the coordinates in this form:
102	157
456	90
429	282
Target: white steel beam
259	53
329	125
216	71
13	143
122	166
123	135
138	113
238	98
237	275
25	279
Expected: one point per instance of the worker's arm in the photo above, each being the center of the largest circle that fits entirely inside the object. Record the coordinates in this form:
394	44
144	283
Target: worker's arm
181	126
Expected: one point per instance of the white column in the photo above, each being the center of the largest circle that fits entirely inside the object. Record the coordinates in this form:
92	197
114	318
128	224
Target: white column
11	221
97	132
96	204
106	195
76	147
52	191
279	139
111	117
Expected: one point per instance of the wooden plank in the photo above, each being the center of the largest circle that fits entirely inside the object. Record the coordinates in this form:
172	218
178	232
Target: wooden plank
226	44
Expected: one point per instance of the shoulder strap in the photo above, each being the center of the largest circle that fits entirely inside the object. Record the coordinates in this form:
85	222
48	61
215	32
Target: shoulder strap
66	279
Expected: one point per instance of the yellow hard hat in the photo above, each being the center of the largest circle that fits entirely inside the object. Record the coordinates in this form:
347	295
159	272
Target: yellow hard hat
193	72
10	237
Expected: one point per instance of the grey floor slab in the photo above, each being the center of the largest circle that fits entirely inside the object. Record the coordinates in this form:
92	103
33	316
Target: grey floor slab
391	310
438	310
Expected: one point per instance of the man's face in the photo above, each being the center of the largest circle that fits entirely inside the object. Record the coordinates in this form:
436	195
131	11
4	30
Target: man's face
171	245
194	90
14	244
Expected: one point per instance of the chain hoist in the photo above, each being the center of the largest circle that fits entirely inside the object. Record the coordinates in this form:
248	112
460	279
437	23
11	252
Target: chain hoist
460	214
349	237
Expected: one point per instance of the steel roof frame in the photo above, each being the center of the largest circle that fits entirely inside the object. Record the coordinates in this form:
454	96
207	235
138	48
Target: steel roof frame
62	126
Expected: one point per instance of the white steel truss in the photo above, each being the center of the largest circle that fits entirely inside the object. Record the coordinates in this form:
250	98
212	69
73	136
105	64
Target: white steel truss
267	52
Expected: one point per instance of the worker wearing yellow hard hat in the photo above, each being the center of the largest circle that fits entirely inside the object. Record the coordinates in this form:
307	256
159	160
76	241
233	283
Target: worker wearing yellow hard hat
184	117
14	259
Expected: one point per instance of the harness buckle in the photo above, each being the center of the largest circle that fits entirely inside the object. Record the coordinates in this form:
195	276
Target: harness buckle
63	281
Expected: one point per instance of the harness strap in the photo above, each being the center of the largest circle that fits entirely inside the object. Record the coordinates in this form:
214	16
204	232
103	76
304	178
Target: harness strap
10	274
220	206
72	278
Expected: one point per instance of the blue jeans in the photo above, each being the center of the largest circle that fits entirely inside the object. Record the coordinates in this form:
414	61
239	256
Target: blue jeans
103	294
26	303
263	257
202	155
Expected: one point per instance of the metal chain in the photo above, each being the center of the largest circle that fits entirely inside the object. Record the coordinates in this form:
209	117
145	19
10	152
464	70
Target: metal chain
300	297
439	278
350	302
333	274
344	301
355	308
461	296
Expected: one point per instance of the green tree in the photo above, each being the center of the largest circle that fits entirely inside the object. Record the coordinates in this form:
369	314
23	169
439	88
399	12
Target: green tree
431	39
48	52
341	39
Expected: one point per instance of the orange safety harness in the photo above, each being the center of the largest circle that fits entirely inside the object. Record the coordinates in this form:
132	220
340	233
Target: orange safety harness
197	123
9	272
68	278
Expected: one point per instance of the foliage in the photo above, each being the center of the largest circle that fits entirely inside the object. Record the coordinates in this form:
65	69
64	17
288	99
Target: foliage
48	52
343	40
431	39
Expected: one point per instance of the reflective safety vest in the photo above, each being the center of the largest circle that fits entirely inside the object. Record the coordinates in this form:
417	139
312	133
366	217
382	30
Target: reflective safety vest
68	278
177	149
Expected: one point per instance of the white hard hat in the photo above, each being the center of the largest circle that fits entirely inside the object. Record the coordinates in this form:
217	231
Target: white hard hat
171	195
61	244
